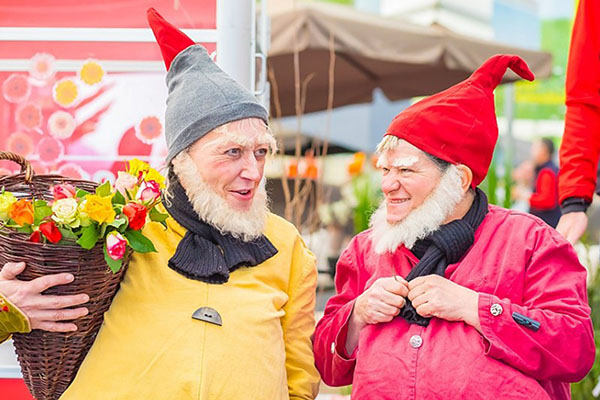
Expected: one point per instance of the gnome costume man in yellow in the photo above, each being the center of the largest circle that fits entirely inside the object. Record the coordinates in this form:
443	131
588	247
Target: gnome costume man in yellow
224	308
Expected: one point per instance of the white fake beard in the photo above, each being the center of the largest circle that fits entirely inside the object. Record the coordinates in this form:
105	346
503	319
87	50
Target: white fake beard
420	222
214	210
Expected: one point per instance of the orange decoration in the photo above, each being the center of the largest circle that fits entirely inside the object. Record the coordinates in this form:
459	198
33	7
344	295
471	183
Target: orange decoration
21	211
356	166
292	170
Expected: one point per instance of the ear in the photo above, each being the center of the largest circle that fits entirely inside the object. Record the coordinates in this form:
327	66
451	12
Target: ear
466	177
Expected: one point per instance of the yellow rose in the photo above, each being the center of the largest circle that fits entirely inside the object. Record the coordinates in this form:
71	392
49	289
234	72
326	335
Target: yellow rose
154	175
136	166
66	212
99	208
6	200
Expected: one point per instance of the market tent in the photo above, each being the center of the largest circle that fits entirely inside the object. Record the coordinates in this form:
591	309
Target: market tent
371	51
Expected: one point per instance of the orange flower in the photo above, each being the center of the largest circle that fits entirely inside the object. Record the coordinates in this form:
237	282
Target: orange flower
21	212
292	170
356	166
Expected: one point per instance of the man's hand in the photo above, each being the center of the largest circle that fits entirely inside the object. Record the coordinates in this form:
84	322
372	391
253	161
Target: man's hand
435	296
43	311
572	225
382	301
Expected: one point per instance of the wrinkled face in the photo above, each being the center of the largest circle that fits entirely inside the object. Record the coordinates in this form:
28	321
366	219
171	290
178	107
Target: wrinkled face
231	160
409	177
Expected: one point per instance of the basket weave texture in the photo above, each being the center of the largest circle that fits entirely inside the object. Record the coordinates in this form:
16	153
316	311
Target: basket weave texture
50	360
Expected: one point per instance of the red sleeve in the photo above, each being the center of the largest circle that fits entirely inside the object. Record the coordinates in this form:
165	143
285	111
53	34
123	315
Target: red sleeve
555	296
337	367
544	197
581	140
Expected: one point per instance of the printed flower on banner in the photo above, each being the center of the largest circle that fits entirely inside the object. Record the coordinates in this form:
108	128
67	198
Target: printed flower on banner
103	175
50	150
16	88
74	171
91	72
65	92
61	124
38	167
41	66
5	171
149	130
29	116
20	143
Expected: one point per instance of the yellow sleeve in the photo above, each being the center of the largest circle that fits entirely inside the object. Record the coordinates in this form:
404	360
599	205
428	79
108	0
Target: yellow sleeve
12	320
299	325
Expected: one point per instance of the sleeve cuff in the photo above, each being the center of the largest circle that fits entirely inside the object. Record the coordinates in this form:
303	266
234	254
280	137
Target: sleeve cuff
339	346
574	204
487	319
12	319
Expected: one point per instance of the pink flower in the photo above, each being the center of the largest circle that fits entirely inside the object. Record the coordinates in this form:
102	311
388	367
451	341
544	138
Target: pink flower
41	66
74	171
116	245
63	191
125	182
20	143
29	116
50	150
149	130
61	125
16	88
148	191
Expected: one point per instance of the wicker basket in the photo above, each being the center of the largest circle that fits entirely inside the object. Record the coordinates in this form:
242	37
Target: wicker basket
49	361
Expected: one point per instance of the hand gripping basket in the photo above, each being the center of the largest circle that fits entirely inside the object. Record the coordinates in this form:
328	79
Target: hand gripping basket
50	360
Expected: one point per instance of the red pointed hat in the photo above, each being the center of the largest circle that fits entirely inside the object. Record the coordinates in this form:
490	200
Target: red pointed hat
171	40
459	125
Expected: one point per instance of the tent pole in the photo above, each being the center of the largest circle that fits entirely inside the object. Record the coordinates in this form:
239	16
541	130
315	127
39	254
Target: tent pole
236	40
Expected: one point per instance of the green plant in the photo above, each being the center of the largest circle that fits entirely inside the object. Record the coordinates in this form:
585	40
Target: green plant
582	390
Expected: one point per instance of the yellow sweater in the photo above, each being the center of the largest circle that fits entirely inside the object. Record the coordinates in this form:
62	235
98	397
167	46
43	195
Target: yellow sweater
149	347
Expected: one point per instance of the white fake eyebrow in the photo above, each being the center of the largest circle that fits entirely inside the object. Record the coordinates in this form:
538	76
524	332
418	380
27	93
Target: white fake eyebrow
400	162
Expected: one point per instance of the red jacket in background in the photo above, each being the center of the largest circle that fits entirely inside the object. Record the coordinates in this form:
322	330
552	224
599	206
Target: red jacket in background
517	262
581	140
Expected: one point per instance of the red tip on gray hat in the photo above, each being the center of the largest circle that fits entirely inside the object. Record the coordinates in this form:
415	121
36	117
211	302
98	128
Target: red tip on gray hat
170	39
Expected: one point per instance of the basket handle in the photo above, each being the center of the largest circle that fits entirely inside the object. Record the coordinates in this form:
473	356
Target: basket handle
25	165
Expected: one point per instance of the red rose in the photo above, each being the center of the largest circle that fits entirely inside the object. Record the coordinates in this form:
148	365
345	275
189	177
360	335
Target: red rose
136	214
35	237
63	191
51	232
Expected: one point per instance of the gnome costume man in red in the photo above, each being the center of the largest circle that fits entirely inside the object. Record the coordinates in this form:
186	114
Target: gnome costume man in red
446	296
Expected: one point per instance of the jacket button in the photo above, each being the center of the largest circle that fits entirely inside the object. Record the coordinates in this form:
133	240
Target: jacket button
332	347
496	309
415	341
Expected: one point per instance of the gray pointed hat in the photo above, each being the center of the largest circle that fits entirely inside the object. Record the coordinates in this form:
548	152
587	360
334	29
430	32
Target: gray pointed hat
201	96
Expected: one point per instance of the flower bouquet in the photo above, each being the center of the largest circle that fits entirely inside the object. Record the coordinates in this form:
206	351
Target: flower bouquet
57	225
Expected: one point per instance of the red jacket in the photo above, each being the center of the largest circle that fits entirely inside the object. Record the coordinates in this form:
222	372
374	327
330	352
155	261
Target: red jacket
518	262
581	140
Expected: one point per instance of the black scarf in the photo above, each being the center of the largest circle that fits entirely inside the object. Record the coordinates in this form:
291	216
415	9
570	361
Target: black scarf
204	253
445	246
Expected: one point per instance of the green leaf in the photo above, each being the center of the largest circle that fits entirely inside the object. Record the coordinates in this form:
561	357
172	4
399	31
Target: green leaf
118	199
89	237
41	212
104	189
24	229
119	221
114	265
67	233
81	193
139	242
40	203
157	216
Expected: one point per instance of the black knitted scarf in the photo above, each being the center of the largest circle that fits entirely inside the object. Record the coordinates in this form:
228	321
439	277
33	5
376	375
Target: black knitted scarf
204	253
445	246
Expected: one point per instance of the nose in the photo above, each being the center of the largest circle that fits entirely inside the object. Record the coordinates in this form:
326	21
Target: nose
252	169
389	183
